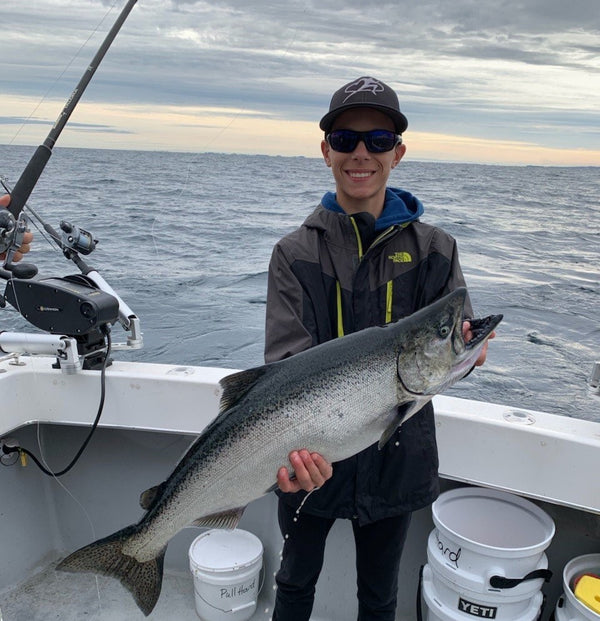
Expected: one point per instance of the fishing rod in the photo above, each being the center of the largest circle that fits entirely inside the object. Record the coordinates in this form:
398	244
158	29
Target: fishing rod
13	223
77	310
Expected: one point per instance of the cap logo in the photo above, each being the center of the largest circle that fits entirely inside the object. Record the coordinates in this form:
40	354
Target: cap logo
361	85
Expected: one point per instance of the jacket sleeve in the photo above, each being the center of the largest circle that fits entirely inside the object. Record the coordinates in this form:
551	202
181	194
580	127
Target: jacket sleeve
285	332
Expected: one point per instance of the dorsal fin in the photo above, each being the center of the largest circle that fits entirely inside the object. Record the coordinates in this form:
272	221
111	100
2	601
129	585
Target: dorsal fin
236	385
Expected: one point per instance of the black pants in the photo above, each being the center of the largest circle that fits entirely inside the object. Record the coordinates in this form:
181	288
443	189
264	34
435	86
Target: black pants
378	550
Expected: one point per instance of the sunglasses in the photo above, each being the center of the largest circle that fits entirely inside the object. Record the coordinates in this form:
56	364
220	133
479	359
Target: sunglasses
376	140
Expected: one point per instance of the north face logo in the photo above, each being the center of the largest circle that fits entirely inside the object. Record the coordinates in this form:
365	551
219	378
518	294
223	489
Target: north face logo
400	257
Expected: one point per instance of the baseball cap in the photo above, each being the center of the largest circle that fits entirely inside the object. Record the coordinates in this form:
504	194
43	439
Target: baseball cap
365	92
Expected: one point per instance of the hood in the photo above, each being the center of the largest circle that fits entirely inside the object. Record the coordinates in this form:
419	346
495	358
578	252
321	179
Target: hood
400	207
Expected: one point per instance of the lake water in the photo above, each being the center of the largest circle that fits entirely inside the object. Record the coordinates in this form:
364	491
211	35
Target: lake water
186	238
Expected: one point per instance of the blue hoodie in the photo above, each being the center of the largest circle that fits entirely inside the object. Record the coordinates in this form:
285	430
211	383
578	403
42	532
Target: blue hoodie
400	207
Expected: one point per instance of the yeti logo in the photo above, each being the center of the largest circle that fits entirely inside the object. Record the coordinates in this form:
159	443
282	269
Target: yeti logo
477	610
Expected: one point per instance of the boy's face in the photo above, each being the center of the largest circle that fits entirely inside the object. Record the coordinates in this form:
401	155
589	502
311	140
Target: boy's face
360	176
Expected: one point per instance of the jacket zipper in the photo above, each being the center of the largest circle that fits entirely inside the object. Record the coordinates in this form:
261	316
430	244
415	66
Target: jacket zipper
389	284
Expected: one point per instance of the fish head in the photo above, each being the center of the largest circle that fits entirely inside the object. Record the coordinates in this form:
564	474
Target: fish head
432	353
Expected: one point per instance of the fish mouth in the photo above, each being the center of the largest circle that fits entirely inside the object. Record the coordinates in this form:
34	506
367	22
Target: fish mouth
481	329
466	354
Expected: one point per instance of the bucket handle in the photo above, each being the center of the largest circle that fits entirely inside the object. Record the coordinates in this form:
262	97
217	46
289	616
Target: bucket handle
231	610
501	582
236	608
419	595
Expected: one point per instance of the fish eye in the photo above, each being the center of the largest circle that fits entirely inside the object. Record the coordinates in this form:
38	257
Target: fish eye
444	331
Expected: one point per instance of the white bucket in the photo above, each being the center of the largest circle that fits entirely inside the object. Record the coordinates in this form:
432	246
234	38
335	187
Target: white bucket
474	574
568	607
226	567
483	537
469	606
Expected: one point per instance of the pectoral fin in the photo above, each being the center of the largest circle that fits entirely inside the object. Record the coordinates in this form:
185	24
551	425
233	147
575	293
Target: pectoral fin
401	413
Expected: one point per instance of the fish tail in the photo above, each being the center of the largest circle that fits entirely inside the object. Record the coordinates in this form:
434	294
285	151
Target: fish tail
105	556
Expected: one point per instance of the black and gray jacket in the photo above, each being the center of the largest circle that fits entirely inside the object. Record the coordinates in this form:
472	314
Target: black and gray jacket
335	275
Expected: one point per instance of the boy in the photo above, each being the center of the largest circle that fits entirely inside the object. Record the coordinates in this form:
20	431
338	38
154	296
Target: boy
362	258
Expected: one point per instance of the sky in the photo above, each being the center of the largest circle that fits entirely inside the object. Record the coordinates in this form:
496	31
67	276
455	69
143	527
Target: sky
487	81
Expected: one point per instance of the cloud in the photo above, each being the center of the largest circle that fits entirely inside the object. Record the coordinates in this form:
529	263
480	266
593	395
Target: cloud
85	127
525	68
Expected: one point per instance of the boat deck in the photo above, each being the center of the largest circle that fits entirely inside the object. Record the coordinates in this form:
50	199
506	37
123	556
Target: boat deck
56	595
53	594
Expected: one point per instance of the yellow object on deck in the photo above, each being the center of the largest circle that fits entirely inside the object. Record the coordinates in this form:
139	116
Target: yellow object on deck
587	591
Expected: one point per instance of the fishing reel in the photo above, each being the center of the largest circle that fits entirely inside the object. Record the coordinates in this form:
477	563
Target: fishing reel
77	239
12	232
71	237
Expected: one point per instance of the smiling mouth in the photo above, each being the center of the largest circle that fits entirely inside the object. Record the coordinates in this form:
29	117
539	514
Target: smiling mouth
363	174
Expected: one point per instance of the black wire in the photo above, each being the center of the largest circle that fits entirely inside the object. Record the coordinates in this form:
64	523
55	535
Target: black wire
92	430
